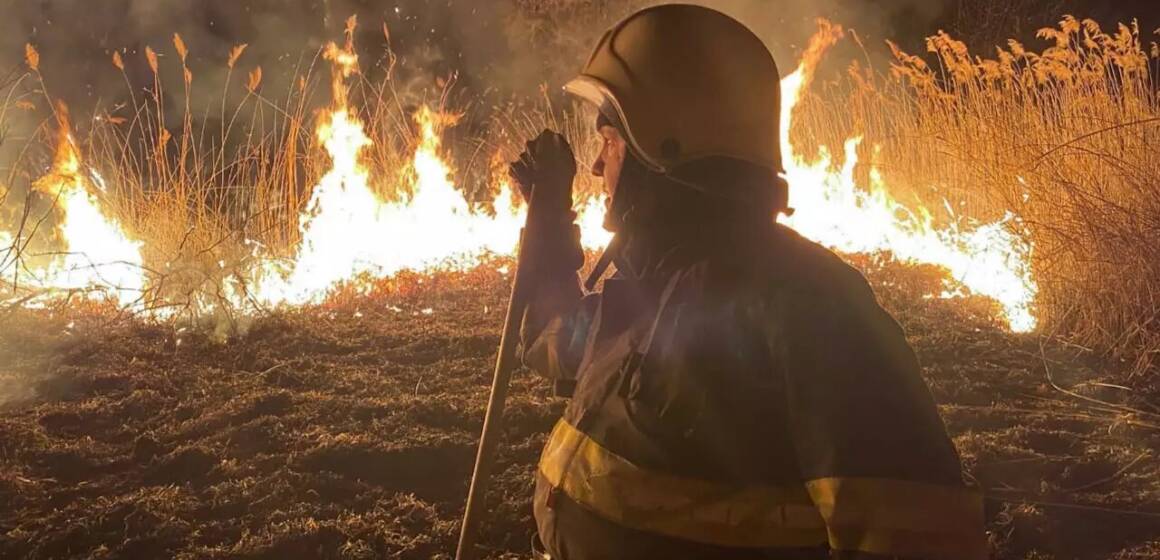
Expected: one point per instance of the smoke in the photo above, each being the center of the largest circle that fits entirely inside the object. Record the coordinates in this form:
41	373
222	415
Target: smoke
493	50
485	43
506	46
496	49
786	26
495	44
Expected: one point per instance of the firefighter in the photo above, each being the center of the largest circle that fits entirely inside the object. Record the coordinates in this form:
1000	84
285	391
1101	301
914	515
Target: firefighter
736	390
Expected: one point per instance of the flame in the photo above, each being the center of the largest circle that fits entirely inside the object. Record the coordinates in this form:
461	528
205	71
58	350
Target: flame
347	231
833	210
590	218
7	260
99	258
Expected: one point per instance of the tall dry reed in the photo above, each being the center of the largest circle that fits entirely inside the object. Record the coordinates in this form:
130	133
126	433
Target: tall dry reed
1067	137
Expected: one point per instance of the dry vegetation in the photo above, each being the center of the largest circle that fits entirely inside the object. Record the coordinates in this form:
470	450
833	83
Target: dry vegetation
1066	139
1063	138
216	194
206	190
347	430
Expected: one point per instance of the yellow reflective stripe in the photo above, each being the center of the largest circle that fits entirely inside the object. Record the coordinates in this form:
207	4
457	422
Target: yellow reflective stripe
901	518
684	508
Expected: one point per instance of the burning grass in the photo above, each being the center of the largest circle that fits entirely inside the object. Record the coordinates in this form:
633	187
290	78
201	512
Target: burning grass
282	206
1063	139
1027	179
345	424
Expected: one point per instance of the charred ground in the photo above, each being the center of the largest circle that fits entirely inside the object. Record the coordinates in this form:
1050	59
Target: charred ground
348	430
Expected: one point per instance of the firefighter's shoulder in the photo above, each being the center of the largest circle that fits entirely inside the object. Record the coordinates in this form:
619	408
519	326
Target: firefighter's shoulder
807	269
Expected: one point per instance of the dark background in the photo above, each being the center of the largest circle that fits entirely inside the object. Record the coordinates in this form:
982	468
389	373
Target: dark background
492	43
498	48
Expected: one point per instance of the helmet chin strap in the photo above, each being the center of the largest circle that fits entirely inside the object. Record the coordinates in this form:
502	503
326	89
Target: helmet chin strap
632	178
638	174
611	253
635	177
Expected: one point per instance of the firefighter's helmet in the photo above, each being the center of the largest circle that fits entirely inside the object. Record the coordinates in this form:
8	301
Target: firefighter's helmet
686	83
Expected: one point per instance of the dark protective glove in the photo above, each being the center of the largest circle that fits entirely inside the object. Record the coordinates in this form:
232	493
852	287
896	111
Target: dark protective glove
550	251
549	166
551	241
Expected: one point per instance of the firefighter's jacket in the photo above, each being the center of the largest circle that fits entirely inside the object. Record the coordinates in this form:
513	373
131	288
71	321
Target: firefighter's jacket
741	399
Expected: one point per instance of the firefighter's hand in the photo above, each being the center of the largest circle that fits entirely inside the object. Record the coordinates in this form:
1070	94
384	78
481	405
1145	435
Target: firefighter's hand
551	243
549	166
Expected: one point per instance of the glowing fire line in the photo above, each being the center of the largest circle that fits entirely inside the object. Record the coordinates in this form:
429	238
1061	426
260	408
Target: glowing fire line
347	230
831	209
99	259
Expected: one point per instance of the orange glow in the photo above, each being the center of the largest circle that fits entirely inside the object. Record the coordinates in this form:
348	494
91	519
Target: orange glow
348	232
832	209
99	258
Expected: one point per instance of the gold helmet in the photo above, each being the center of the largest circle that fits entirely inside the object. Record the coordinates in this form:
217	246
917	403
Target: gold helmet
686	83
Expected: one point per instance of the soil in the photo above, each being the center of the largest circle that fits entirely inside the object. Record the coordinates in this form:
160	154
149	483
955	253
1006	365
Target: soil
348	430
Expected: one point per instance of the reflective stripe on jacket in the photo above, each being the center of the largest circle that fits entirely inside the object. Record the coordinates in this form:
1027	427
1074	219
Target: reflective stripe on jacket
755	399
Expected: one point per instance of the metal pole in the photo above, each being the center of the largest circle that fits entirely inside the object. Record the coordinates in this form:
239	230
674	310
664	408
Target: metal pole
493	421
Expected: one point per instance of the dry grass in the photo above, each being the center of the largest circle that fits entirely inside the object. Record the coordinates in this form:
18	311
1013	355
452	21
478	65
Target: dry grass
1066	138
212	194
1063	138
